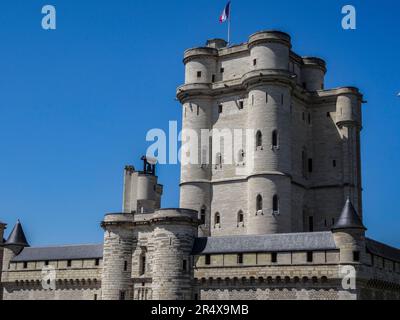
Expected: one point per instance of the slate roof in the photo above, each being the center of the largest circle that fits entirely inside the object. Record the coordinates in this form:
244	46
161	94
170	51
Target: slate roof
382	250
349	218
17	237
73	252
265	243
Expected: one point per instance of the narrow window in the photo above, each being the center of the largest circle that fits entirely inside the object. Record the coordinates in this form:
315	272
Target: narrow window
125	265
217	219
241	156
274	257
356	256
305	85
309	256
213	78
240	258
184	265
220	109
304	162
69	263
282	99
222	70
333	221
303	116
309	118
198	74
46	263
198	110
328	114
97	262
241	105
196	296
275	139
326	223
266	97
25	265
203	215
122	295
218	159
310	165
208	260
259	203
275	204
259	139
143	264
95	297
240	217
254	62
334	163
311	224
252	100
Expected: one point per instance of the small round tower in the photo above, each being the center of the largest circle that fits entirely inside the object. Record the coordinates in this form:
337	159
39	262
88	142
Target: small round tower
174	233
16	242
117	257
349	235
313	73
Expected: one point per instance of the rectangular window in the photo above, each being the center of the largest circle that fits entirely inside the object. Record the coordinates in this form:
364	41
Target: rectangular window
69	263
198	74
25	265
208	260
274	257
310	165
46	263
125	265
240	258
309	257
143	264
220	109
311	224
222	70
356	256
122	295
97	262
254	62
241	105
334	163
328	114
184	265
95	297
282	99
213	78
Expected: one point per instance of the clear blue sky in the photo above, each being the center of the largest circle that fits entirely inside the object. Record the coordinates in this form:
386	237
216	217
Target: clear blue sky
76	103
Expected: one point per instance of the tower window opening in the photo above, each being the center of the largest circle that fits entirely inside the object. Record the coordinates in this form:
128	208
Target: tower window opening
310	165
241	105
222	70
241	156
25	265
254	62
69	263
97	262
259	139
334	163
213	78
275	142
240	258
208	260
143	264
217	219
274	257
310	257
220	108
184	265
259	203
122	295
311	224
309	118
240	217
356	256
198	74
218	159
203	215
282	99
275	204
125	265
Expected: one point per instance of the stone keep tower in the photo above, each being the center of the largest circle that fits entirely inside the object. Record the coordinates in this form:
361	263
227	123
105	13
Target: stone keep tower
303	160
147	250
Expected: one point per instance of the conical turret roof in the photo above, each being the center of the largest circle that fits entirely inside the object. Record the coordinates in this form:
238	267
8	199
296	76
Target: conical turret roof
349	219
17	237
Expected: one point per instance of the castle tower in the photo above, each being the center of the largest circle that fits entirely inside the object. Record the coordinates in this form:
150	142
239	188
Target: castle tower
172	267
297	157
349	235
16	242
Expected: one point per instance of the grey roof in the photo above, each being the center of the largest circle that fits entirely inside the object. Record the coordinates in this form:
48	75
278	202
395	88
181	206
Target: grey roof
349	219
73	252
382	250
17	237
265	243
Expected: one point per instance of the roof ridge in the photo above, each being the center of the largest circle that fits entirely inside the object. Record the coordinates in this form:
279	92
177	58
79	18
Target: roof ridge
66	246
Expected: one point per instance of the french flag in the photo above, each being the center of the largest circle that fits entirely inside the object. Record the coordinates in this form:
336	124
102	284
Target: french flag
225	14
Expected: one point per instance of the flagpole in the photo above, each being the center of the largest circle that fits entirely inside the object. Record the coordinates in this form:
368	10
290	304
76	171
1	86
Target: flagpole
229	24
